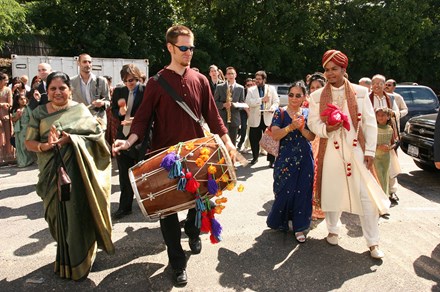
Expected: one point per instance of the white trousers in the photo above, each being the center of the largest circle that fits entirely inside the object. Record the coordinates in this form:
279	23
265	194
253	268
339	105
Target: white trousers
393	185
369	221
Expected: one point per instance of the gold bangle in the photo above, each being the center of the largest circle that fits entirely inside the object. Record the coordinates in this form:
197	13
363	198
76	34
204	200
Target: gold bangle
287	129
39	147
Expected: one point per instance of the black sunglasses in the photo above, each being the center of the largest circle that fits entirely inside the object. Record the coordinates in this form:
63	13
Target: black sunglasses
184	48
298	95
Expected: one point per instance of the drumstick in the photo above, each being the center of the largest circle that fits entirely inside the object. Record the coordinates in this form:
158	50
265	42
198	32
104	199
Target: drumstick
241	159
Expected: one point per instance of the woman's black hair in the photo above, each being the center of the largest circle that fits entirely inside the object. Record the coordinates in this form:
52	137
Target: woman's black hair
57	74
299	84
317	76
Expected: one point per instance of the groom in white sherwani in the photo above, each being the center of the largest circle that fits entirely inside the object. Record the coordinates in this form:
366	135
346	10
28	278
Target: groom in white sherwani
343	180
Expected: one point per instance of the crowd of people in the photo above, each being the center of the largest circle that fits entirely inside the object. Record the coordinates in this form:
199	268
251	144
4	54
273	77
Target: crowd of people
337	144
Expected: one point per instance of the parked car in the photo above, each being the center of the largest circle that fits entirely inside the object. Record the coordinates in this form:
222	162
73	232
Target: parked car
421	100
418	140
282	91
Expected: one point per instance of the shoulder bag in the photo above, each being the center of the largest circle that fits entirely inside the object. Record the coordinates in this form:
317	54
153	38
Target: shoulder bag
177	98
64	183
267	142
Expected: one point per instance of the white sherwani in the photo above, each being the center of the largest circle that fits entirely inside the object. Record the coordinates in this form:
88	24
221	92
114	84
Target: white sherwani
339	191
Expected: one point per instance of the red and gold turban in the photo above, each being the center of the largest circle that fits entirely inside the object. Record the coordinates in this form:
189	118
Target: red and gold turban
336	57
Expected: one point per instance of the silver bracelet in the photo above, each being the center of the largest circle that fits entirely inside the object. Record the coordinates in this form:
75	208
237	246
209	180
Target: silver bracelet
129	144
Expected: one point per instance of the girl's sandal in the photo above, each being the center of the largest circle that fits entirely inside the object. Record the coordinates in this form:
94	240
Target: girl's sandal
300	237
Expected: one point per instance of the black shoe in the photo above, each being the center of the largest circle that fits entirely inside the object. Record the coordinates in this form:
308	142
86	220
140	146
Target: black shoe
253	161
195	244
394	196
121	213
385	216
394	200
180	276
271	165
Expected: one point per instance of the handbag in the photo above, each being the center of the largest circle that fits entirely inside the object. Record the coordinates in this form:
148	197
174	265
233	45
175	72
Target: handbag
267	142
64	183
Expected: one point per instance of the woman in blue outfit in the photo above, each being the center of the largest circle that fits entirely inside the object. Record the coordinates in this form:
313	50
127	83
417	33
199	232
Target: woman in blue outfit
293	171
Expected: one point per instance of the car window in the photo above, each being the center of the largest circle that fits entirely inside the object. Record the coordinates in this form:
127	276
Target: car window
282	90
417	96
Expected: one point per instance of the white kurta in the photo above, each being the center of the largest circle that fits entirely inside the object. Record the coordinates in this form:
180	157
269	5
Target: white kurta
339	191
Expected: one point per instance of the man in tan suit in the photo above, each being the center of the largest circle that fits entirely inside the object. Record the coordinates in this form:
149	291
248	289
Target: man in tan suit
263	100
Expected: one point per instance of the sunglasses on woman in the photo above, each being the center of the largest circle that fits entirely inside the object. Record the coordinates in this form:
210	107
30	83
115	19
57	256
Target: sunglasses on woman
298	95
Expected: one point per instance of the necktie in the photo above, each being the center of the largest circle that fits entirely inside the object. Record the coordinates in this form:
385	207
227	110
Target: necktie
261	93
126	129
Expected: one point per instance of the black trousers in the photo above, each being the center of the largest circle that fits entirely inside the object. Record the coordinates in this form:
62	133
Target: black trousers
255	134
172	234
232	132
124	163
243	127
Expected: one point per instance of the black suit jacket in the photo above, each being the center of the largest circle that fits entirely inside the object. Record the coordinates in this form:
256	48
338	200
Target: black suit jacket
122	92
33	103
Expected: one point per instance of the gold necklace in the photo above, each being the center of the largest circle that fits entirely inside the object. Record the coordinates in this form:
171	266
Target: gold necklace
59	107
292	113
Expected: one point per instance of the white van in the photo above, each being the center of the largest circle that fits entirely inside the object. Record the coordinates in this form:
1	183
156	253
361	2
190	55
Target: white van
282	91
28	65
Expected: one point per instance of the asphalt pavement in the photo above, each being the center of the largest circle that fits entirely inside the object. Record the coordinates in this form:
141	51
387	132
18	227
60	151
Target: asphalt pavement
251	257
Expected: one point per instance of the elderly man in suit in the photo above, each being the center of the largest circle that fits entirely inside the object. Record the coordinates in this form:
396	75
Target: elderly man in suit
40	96
225	95
125	102
263	100
91	90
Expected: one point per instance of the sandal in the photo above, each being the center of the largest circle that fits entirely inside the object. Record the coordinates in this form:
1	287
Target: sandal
300	237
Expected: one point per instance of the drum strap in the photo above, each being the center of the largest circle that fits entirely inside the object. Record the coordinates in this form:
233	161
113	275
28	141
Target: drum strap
177	98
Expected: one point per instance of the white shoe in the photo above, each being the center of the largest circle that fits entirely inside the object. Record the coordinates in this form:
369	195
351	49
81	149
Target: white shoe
376	253
333	239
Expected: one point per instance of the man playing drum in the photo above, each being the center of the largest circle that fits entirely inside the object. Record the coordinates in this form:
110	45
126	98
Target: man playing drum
173	125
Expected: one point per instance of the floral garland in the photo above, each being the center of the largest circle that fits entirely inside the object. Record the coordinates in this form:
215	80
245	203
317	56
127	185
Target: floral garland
354	144
205	217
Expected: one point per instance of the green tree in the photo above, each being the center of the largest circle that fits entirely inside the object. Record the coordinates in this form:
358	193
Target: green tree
12	21
114	28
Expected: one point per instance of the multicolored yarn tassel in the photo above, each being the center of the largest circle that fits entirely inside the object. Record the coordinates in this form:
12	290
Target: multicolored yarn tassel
169	160
212	185
200	207
206	223
182	182
191	183
216	228
176	169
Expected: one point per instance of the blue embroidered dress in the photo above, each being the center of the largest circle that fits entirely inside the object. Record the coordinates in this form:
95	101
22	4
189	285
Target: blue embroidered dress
293	179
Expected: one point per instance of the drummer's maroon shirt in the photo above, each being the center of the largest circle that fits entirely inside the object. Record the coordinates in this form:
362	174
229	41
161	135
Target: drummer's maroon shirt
171	123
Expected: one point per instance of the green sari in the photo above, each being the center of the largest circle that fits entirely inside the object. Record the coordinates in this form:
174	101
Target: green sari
24	157
83	223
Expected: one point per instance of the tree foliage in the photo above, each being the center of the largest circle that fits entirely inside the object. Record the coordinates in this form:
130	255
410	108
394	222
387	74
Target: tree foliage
12	21
397	38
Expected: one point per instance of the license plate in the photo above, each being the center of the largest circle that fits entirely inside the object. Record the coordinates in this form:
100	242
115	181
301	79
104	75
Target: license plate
413	150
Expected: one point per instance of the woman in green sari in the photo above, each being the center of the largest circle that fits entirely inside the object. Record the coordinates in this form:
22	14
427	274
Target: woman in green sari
81	224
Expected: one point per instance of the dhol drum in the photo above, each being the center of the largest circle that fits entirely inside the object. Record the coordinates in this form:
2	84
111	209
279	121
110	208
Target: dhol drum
157	194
